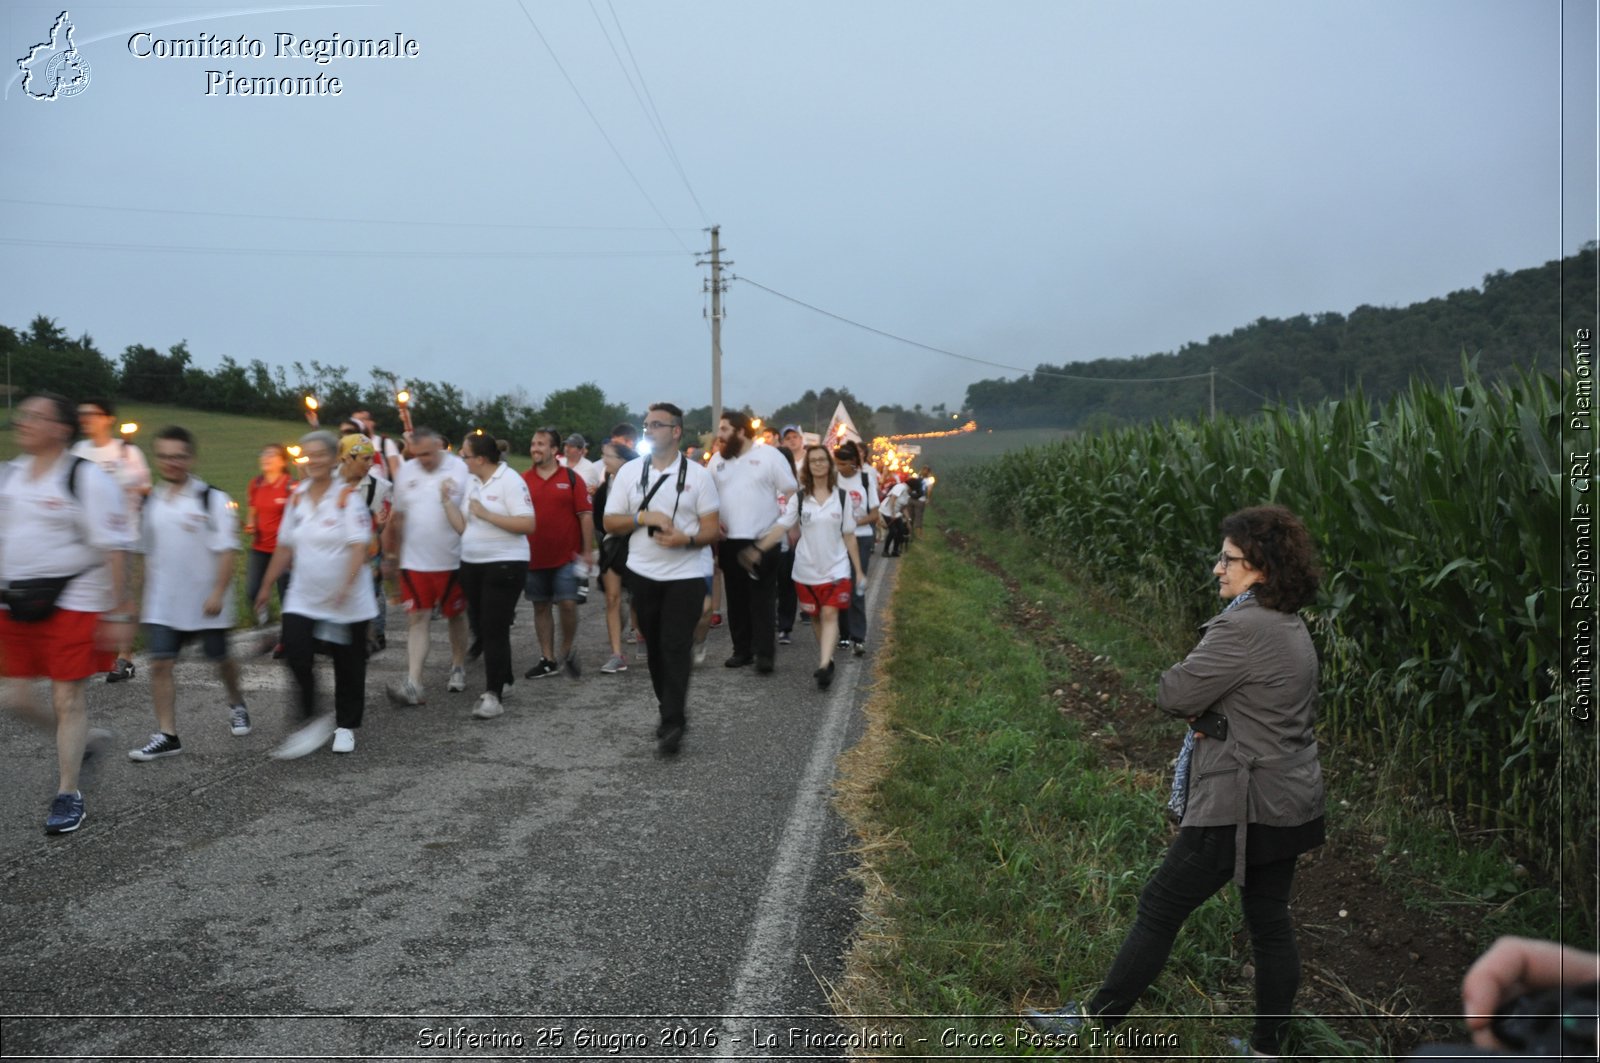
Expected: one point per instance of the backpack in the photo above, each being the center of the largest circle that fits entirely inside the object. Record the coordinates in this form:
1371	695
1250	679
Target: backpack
844	511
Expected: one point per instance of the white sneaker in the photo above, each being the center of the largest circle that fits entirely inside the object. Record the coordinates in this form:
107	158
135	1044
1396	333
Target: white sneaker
344	740
406	692
488	707
307	739
458	680
700	654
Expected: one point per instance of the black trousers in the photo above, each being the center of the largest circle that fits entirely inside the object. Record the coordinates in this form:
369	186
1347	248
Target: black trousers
1198	864
855	625
491	589
349	668
788	601
668	611
752	603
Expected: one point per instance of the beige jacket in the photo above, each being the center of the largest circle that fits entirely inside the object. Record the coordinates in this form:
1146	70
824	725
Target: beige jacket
1257	667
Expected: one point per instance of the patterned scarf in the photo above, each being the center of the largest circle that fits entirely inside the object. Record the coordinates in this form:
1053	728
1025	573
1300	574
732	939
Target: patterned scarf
1180	775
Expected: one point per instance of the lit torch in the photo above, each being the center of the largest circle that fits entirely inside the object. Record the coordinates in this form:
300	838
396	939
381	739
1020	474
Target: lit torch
311	411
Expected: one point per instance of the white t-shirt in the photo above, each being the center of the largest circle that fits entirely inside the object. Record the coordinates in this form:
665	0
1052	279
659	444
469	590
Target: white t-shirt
321	536
821	555
894	503
748	488
863	491
699	499
505	494
428	543
588	472
119	458
181	542
46	531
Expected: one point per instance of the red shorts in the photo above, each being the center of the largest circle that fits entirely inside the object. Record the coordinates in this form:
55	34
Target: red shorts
835	595
61	648
424	590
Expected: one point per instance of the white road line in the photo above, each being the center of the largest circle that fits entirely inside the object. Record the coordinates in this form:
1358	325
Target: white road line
770	951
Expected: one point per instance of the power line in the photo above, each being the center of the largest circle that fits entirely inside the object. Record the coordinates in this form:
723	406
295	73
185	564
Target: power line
965	357
603	135
329	252
661	126
350	221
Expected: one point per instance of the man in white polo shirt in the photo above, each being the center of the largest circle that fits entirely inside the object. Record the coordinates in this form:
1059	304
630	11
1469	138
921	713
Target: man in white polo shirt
190	539
669	505
425	551
48	496
752	484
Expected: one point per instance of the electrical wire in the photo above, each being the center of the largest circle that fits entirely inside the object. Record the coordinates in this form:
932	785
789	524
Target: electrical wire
661	126
602	130
965	357
269	252
351	221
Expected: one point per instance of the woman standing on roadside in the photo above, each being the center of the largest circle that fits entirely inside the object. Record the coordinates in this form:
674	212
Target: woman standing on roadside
494	519
614	456
324	540
825	557
1250	793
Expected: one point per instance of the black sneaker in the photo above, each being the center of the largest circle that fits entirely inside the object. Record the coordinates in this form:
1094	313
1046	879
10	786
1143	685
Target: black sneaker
738	660
671	739
844	644
785	639
123	670
571	663
764	665
824	676
475	650
545	667
160	745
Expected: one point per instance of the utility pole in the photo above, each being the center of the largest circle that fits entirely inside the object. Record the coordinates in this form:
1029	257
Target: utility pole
716	286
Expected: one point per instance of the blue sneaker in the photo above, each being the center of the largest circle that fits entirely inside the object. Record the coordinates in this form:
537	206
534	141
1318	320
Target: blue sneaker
66	814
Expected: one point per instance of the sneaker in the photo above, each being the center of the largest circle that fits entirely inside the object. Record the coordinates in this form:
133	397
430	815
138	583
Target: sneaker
738	660
1069	1018
716	619
278	651
123	670
764	665
699	653
824	676
859	648
458	681
406	692
1240	1047
844	644
614	664
66	814
344	740
631	638
475	650
671	738
583	593
377	644
307	739
160	745
571	662
239	719
784	639
545	667
488	707
805	618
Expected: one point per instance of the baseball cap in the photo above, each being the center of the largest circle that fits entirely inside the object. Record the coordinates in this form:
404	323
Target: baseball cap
575	440
355	446
789	428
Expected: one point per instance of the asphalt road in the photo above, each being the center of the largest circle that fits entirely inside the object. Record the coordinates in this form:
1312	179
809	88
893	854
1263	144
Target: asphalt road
542	884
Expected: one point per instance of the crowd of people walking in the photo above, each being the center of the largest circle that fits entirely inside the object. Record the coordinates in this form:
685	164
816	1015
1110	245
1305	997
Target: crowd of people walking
771	525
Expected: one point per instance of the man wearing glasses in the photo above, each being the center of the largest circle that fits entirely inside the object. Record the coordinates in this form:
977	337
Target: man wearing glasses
50	497
123	462
189	538
669	506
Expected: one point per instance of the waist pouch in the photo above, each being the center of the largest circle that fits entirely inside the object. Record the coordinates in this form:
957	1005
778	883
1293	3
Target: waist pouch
34	600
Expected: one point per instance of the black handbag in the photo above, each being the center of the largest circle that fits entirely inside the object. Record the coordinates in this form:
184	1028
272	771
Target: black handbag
34	600
614	552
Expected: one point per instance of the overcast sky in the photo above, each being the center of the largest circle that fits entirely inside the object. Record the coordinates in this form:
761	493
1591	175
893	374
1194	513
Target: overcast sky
1020	182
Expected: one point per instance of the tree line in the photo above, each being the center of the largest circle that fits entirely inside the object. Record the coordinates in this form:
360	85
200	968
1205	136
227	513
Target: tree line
43	357
1519	320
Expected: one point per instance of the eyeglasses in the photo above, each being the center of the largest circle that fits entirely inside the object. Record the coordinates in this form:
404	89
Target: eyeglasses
171	457
657	425
1225	559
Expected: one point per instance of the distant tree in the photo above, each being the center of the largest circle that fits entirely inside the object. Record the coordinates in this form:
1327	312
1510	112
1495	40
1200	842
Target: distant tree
583	409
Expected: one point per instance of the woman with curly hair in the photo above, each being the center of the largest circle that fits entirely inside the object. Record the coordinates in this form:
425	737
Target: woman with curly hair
1249	793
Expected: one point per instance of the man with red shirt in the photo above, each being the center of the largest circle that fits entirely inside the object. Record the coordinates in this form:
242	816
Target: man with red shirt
560	550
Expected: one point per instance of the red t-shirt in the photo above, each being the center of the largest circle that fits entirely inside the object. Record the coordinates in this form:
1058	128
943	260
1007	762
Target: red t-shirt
557	535
268	501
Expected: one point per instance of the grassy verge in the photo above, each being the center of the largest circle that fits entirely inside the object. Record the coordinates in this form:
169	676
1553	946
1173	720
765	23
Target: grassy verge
1003	853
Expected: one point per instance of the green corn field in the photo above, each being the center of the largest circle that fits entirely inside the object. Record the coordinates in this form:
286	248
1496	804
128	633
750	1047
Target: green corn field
1438	518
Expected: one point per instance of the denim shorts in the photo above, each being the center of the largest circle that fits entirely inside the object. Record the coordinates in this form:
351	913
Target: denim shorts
552	584
162	643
